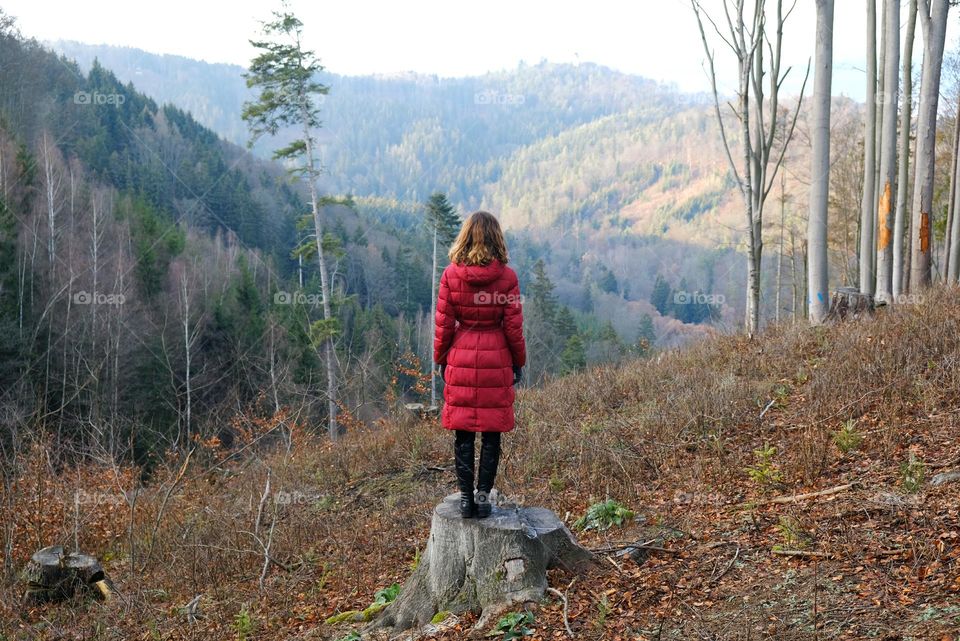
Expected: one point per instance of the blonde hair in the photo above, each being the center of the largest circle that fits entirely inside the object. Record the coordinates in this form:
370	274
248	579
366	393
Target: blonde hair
480	240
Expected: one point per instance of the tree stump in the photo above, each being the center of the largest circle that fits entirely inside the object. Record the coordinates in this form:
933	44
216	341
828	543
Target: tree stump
483	565
55	575
849	302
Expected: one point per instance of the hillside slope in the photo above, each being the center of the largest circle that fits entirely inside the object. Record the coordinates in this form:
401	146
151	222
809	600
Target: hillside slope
602	161
703	444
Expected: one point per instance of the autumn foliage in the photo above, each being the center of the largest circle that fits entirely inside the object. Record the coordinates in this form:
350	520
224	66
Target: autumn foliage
779	488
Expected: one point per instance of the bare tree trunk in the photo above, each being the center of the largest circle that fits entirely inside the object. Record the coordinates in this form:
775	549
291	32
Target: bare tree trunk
52	182
817	277
794	287
933	21
325	289
783	217
888	150
869	156
903	178
952	268
952	205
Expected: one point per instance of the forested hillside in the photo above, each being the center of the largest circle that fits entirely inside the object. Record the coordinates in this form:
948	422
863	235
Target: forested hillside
606	161
156	281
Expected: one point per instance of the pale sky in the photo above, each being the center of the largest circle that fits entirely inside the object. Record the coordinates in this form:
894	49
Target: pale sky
657	39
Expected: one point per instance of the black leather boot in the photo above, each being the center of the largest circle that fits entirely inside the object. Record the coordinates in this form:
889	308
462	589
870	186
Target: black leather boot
463	463
487	473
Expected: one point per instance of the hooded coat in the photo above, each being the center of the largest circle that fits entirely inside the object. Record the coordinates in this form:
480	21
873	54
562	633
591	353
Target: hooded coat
479	339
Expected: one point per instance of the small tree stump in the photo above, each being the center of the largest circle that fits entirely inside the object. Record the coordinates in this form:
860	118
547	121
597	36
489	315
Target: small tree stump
55	575
483	565
849	302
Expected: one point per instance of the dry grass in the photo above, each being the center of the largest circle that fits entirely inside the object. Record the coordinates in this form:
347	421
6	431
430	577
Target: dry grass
670	437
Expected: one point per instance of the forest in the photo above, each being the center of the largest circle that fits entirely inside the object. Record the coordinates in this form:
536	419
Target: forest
737	416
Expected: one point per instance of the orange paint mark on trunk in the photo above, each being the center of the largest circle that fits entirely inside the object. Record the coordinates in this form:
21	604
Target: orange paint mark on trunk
884	236
924	232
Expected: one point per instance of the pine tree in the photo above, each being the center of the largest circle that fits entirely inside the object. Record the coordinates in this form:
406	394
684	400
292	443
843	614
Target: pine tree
283	71
646	336
573	358
662	296
443	223
564	323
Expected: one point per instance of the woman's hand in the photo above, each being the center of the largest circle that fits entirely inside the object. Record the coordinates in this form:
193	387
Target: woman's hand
517	374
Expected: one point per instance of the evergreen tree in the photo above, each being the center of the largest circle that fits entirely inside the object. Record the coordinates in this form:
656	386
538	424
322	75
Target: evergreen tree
607	282
544	345
284	72
573	358
541	292
662	296
443	223
646	336
564	323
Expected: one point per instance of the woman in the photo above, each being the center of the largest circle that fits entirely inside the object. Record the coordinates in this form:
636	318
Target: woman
480	349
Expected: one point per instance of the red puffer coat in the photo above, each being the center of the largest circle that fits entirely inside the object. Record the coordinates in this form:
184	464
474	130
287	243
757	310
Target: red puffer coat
479	338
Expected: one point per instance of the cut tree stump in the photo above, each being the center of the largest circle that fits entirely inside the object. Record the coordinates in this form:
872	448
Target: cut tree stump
483	565
849	302
55	575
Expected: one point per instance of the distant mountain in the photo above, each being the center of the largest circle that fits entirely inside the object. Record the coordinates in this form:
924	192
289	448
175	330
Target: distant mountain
602	159
401	136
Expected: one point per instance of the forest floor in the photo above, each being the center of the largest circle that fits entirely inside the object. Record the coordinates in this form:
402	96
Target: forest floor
713	447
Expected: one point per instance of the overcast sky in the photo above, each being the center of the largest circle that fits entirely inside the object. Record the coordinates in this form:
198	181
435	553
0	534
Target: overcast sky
654	38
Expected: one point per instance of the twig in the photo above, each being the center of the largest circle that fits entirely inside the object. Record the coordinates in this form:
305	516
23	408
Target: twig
614	564
263	500
624	546
266	554
769	405
563	597
736	555
803	554
796	498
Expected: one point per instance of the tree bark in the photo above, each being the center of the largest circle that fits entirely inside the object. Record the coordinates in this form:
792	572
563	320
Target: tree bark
888	150
952	202
848	302
903	176
933	22
55	575
332	428
867	280
953	227
484	565
817	277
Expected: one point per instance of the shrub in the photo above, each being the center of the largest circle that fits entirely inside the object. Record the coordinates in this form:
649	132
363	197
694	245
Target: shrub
604	515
